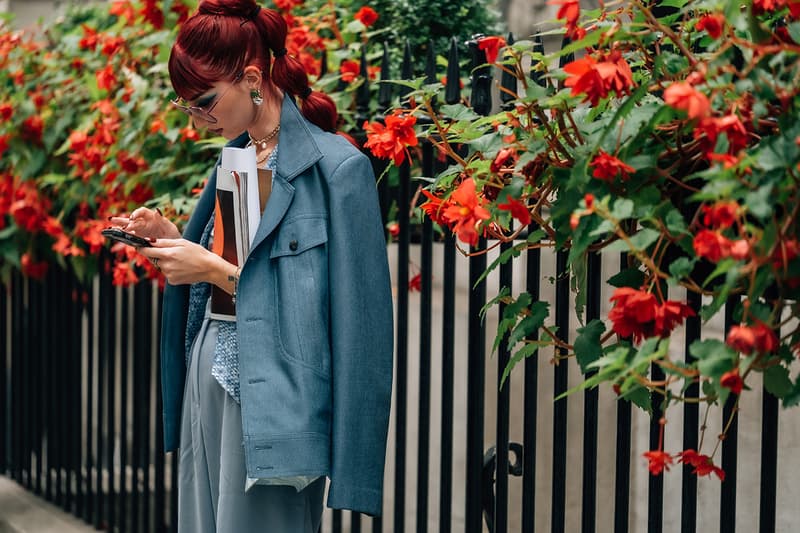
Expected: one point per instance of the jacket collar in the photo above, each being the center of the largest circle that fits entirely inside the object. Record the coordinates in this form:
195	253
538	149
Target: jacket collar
298	149
298	152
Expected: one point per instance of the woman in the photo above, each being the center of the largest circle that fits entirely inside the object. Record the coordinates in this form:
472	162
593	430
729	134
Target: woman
298	387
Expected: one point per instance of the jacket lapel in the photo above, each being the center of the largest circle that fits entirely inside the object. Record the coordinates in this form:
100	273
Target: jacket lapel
297	153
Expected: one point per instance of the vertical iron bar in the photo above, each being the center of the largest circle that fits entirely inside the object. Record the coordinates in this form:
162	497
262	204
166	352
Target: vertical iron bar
590	407
355	522
402	328
655	498
36	311
481	102
159	500
125	374
59	446
691	419
91	453
105	326
452	95
111	403
532	281
14	382
5	429
337	521
727	508
622	467
503	406
559	502
476	378
25	392
769	452
425	311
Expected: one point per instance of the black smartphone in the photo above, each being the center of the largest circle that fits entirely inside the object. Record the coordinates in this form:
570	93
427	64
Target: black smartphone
130	239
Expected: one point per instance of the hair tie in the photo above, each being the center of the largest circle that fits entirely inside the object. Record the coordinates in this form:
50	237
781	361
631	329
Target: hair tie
305	93
280	53
254	13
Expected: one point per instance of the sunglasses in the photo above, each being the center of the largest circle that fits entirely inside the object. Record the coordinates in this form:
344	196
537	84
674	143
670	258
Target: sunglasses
204	112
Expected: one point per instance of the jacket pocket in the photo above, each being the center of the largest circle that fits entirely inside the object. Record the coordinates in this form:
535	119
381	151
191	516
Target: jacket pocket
299	255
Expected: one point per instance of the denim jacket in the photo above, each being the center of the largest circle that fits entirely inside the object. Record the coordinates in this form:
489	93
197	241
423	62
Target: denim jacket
314	322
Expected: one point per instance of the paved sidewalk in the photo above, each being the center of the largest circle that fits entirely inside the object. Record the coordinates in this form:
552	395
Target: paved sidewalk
23	512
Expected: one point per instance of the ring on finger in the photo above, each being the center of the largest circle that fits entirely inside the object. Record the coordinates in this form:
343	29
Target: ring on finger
155	263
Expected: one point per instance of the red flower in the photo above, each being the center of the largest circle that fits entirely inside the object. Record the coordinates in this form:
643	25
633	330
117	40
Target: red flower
597	79
720	215
158	125
747	339
131	164
111	45
393	228
786	251
6	112
703	466
89	231
730	125
658	461
64	246
518	210
713	24
570	11
124	276
31	268
106	80
287	5
153	14
123	9
32	128
4	143
391	141
366	15
434	208
78	140
637	314
740	249
608	167
465	211
733	381
349	70
712	245
182	10
670	315
415	283
491	45
189	134
683	96
89	39
506	157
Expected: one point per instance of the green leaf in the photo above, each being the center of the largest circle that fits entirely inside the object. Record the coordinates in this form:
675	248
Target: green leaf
587	345
639	241
777	382
639	396
629	277
458	112
503	258
714	357
623	208
682	267
530	324
761	202
675	222
529	349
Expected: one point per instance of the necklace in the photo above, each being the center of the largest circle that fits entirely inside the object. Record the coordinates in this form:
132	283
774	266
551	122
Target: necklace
261	144
260	162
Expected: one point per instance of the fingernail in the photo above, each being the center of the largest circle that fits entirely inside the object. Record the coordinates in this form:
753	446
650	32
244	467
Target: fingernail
159	212
151	239
110	217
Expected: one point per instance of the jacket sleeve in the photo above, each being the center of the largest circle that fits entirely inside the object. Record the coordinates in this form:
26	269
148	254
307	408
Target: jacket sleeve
361	338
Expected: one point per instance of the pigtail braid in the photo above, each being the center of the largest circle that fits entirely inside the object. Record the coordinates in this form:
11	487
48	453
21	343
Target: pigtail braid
289	75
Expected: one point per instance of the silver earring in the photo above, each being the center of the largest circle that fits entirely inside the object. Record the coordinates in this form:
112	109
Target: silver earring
255	94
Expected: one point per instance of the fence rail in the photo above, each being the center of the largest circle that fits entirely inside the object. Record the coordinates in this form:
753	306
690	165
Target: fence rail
80	403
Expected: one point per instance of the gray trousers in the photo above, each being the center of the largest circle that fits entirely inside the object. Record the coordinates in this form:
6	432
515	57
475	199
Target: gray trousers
211	495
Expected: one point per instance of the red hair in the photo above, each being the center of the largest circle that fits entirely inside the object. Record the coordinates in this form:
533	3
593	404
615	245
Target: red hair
224	37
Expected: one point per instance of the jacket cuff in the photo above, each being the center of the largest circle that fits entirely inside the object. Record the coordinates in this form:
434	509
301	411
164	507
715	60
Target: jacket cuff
358	499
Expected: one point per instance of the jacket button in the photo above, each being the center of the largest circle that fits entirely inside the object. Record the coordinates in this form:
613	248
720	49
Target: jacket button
293	246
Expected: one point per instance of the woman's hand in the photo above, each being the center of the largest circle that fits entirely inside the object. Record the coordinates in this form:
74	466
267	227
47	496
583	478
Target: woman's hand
147	223
183	262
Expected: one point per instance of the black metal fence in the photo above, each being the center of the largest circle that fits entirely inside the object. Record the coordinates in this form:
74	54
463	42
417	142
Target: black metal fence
80	403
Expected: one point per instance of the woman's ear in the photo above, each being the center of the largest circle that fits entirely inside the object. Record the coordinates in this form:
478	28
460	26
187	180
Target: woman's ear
253	77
